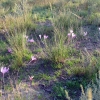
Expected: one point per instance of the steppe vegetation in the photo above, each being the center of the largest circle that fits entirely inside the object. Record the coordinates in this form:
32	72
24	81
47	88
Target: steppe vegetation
49	49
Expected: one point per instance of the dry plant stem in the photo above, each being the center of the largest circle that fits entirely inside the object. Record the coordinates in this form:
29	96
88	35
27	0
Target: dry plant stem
30	62
30	82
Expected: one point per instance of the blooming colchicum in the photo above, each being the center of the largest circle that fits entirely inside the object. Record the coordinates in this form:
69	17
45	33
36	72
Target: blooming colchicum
45	36
33	59
31	78
9	50
99	28
71	34
4	70
40	36
25	36
85	33
31	40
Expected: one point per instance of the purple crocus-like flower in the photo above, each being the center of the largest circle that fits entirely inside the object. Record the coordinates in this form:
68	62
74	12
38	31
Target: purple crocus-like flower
26	36
31	40
73	35
99	28
71	31
45	36
69	34
85	33
33	58
31	78
4	70
40	36
9	50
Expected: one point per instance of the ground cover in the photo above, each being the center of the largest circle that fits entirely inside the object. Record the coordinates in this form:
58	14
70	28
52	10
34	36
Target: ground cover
51	48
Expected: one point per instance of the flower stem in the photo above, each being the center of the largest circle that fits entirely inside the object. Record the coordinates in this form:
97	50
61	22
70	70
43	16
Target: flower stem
3	85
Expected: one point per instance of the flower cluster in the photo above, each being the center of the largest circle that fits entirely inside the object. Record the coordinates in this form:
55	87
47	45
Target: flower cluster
31	40
45	36
71	34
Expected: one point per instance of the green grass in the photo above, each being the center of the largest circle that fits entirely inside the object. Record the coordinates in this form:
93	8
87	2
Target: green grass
18	44
71	85
57	56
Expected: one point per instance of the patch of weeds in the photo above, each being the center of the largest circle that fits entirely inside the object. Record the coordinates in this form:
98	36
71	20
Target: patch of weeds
18	44
8	5
46	77
8	88
69	85
92	91
73	62
38	76
22	76
59	93
58	73
21	19
20	23
2	46
40	97
75	83
6	58
18	81
87	71
45	27
67	20
93	19
42	12
37	50
86	66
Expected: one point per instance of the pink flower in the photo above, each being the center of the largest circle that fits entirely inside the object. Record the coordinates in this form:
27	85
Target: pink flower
40	36
73	35
71	31
26	36
45	36
31	78
33	58
4	70
85	33
30	40
9	50
69	34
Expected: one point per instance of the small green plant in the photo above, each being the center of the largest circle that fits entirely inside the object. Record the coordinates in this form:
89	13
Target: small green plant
8	5
59	92
2	46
